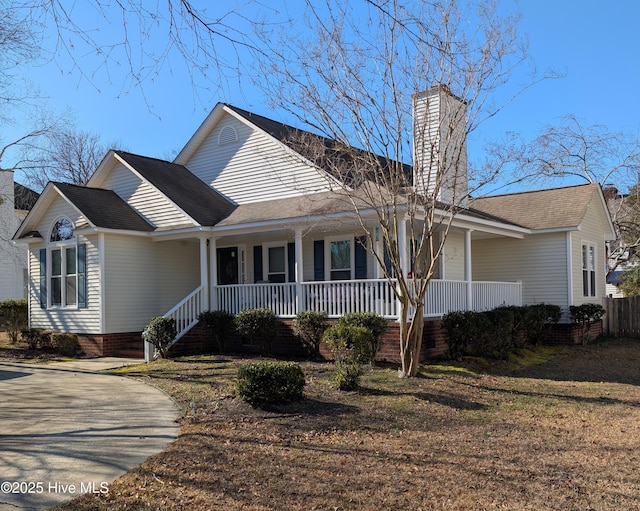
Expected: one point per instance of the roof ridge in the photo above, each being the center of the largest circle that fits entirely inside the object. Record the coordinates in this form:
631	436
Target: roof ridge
522	192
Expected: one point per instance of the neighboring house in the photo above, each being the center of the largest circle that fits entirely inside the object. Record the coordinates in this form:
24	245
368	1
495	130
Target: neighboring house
15	202
241	220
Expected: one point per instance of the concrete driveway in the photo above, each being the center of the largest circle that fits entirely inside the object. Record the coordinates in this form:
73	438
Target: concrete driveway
66	429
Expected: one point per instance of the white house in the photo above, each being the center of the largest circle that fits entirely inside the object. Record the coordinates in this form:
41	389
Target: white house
240	220
15	202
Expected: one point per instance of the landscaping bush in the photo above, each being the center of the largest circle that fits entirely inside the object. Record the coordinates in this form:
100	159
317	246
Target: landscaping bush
160	332
36	338
586	314
219	324
66	344
373	322
259	325
266	383
309	327
499	339
538	321
351	347
467	333
15	314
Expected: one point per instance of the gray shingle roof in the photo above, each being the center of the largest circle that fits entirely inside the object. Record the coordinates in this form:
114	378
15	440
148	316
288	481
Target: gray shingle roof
104	208
540	209
195	197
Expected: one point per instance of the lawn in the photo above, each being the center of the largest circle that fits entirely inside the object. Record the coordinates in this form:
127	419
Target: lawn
562	435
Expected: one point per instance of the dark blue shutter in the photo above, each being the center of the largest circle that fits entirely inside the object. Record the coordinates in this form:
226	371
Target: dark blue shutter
43	278
318	260
82	275
360	257
257	264
291	260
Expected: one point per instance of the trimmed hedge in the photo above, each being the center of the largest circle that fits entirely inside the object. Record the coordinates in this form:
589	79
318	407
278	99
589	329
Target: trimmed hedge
351	347
160	332
265	383
15	313
219	324
259	325
309	327
497	332
373	322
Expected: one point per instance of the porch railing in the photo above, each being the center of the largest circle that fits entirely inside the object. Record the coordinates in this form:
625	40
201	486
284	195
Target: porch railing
368	295
185	315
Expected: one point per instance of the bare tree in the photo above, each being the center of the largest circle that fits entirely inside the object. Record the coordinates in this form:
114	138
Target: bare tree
355	75
573	150
70	156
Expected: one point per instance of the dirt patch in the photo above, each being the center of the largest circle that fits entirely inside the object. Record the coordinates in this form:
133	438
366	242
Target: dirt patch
564	435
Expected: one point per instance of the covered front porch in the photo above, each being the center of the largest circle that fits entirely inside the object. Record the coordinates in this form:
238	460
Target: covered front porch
271	270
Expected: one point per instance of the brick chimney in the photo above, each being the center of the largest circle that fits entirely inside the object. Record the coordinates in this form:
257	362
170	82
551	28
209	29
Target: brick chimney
440	145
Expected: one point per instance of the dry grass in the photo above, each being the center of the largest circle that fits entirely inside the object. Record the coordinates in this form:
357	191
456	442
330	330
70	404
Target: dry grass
563	435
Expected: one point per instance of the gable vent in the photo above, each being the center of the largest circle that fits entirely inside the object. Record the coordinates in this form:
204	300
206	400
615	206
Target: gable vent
227	135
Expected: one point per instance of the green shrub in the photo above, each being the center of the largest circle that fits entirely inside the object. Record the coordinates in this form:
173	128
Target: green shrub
586	314
259	325
32	337
160	332
350	347
468	333
373	322
266	383
66	344
219	324
500	337
309	327
538	320
15	314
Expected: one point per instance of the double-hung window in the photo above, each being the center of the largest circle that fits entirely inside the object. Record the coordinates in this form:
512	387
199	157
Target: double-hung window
277	260
588	270
340	259
64	285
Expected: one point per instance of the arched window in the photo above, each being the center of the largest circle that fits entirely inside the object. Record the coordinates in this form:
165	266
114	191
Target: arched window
63	264
62	230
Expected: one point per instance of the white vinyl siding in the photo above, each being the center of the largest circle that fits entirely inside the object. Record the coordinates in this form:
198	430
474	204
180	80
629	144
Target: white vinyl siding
590	234
253	169
71	320
453	257
539	261
145	199
145	279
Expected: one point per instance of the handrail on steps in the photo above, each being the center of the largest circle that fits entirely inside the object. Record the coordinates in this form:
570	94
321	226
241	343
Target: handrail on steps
185	314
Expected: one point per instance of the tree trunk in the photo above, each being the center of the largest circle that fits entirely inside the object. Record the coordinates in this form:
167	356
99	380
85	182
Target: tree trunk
410	340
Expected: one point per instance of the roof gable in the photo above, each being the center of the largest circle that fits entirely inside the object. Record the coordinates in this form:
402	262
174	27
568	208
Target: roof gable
103	208
202	203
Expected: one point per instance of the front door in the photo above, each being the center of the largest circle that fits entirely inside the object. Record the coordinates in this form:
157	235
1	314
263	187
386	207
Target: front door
228	266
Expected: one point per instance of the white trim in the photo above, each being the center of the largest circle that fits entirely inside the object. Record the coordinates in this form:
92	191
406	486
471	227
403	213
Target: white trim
569	269
101	280
266	259
327	255
593	292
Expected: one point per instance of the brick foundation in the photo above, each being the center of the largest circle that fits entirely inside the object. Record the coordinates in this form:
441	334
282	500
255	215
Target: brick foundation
124	345
197	341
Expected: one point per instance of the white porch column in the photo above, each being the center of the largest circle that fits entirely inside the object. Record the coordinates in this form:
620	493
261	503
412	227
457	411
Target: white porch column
204	273
298	270
468	277
213	279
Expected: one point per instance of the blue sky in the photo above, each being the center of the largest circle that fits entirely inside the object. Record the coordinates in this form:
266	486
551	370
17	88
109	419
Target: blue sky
595	44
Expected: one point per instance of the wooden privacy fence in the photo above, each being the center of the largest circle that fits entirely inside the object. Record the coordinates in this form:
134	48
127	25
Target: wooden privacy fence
622	317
